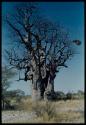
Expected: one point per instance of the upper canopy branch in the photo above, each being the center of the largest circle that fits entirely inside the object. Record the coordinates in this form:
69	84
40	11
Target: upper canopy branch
45	42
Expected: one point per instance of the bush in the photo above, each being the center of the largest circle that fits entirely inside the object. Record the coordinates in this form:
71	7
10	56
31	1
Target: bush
60	96
69	96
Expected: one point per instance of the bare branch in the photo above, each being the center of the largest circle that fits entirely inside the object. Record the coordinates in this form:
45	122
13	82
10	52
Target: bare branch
17	31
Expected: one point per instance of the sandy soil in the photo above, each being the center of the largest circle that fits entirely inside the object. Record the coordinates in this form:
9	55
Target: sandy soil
16	116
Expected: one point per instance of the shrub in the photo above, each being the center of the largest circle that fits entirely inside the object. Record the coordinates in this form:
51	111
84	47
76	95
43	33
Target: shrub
60	95
69	95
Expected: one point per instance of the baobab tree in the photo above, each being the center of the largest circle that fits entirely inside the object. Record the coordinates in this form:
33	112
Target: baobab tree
42	48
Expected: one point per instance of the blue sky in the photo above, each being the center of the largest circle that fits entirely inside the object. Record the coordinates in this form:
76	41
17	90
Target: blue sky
71	16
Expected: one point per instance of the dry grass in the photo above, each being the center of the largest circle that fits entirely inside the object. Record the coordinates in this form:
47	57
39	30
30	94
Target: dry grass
25	104
46	110
70	111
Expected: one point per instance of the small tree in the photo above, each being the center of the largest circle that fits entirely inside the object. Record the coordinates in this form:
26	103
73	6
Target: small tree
16	95
69	95
7	74
42	48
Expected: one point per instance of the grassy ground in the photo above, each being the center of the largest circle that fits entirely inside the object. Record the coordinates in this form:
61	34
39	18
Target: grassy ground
70	111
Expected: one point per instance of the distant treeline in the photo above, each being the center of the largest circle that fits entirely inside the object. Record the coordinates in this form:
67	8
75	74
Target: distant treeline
13	98
70	95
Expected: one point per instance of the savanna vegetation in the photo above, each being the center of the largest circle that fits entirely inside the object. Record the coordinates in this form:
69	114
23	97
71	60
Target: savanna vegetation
40	49
27	111
20	108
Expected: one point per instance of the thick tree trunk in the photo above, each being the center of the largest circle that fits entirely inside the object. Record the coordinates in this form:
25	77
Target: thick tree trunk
40	91
49	93
36	95
37	89
42	81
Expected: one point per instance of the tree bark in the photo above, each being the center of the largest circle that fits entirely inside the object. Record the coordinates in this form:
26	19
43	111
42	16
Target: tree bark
37	86
40	88
37	89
